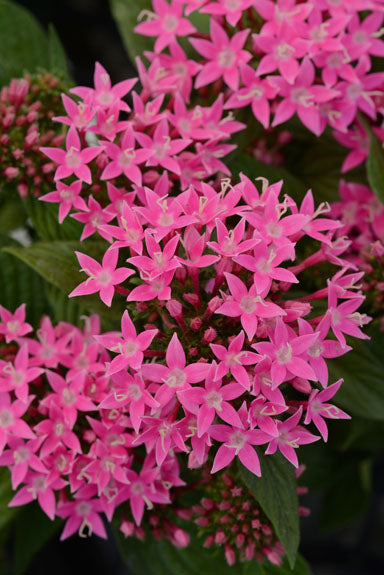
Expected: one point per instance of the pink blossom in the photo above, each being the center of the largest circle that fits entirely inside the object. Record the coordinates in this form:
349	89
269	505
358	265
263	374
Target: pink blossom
20	457
94	218
224	56
101	278
68	397
68	197
232	10
13	325
317	409
39	487
75	159
234	359
142	492
125	159
11	423
17	375
83	516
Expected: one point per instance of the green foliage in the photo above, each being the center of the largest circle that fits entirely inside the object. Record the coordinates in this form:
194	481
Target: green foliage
276	492
7	513
20	284
363	371
375	165
126	14
153	557
25	47
44	217
56	262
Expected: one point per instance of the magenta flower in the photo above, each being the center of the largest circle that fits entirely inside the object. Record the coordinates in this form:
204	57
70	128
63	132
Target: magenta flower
94	218
129	347
234	359
68	197
142	492
41	488
101	277
15	376
318	409
68	397
162	148
165	23
159	288
194	245
125	159
78	115
107	463
130	391
262	414
20	457
224	56
211	400
256	92
232	10
105	95
286	350
237	442
231	243
83	516
176	375
161	434
74	160
291	436
11	423
13	325
159	261
249	305
129	232
56	432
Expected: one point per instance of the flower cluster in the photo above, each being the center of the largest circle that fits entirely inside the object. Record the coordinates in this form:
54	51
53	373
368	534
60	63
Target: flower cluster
27	106
310	58
362	216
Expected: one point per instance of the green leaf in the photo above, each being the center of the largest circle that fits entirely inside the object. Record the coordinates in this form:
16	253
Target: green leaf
56	262
44	217
20	284
276	492
58	63
126	13
64	308
33	529
253	168
375	164
24	45
7	514
12	212
362	369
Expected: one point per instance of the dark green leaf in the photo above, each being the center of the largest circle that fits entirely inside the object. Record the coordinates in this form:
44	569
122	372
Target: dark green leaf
20	284
276	492
44	217
7	514
56	262
24	45
363	372
32	531
126	13
375	165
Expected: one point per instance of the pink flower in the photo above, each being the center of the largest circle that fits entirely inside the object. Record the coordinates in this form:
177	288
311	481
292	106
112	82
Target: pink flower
94	218
78	115
142	492
249	305
213	399
74	160
262	414
161	434
13	325
104	95
317	409
159	261
125	159
224	56
130	391
55	431
129	232
101	278
39	486
68	396
21	456
83	516
158	287
231	243
130	346
237	442
166	23
17	375
286	351
68	197
176	375
234	359
232	10
291	436
11	423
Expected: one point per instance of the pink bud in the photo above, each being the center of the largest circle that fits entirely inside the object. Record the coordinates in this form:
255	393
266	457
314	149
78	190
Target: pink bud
220	537
210	335
127	528
195	323
175	308
89	436
192	298
209	541
181	538
296	309
377	249
11	172
239	541
301	385
193	352
214	304
202	521
181	274
229	555
250	551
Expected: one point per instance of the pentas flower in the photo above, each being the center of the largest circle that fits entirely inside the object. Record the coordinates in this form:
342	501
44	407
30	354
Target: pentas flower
101	277
11	423
141	492
68	197
78	115
75	160
166	22
234	359
68	397
128	345
83	516
94	217
38	487
318	409
231	9
16	375
105	95
249	305
20	457
176	375
13	325
223	54
161	435
125	159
